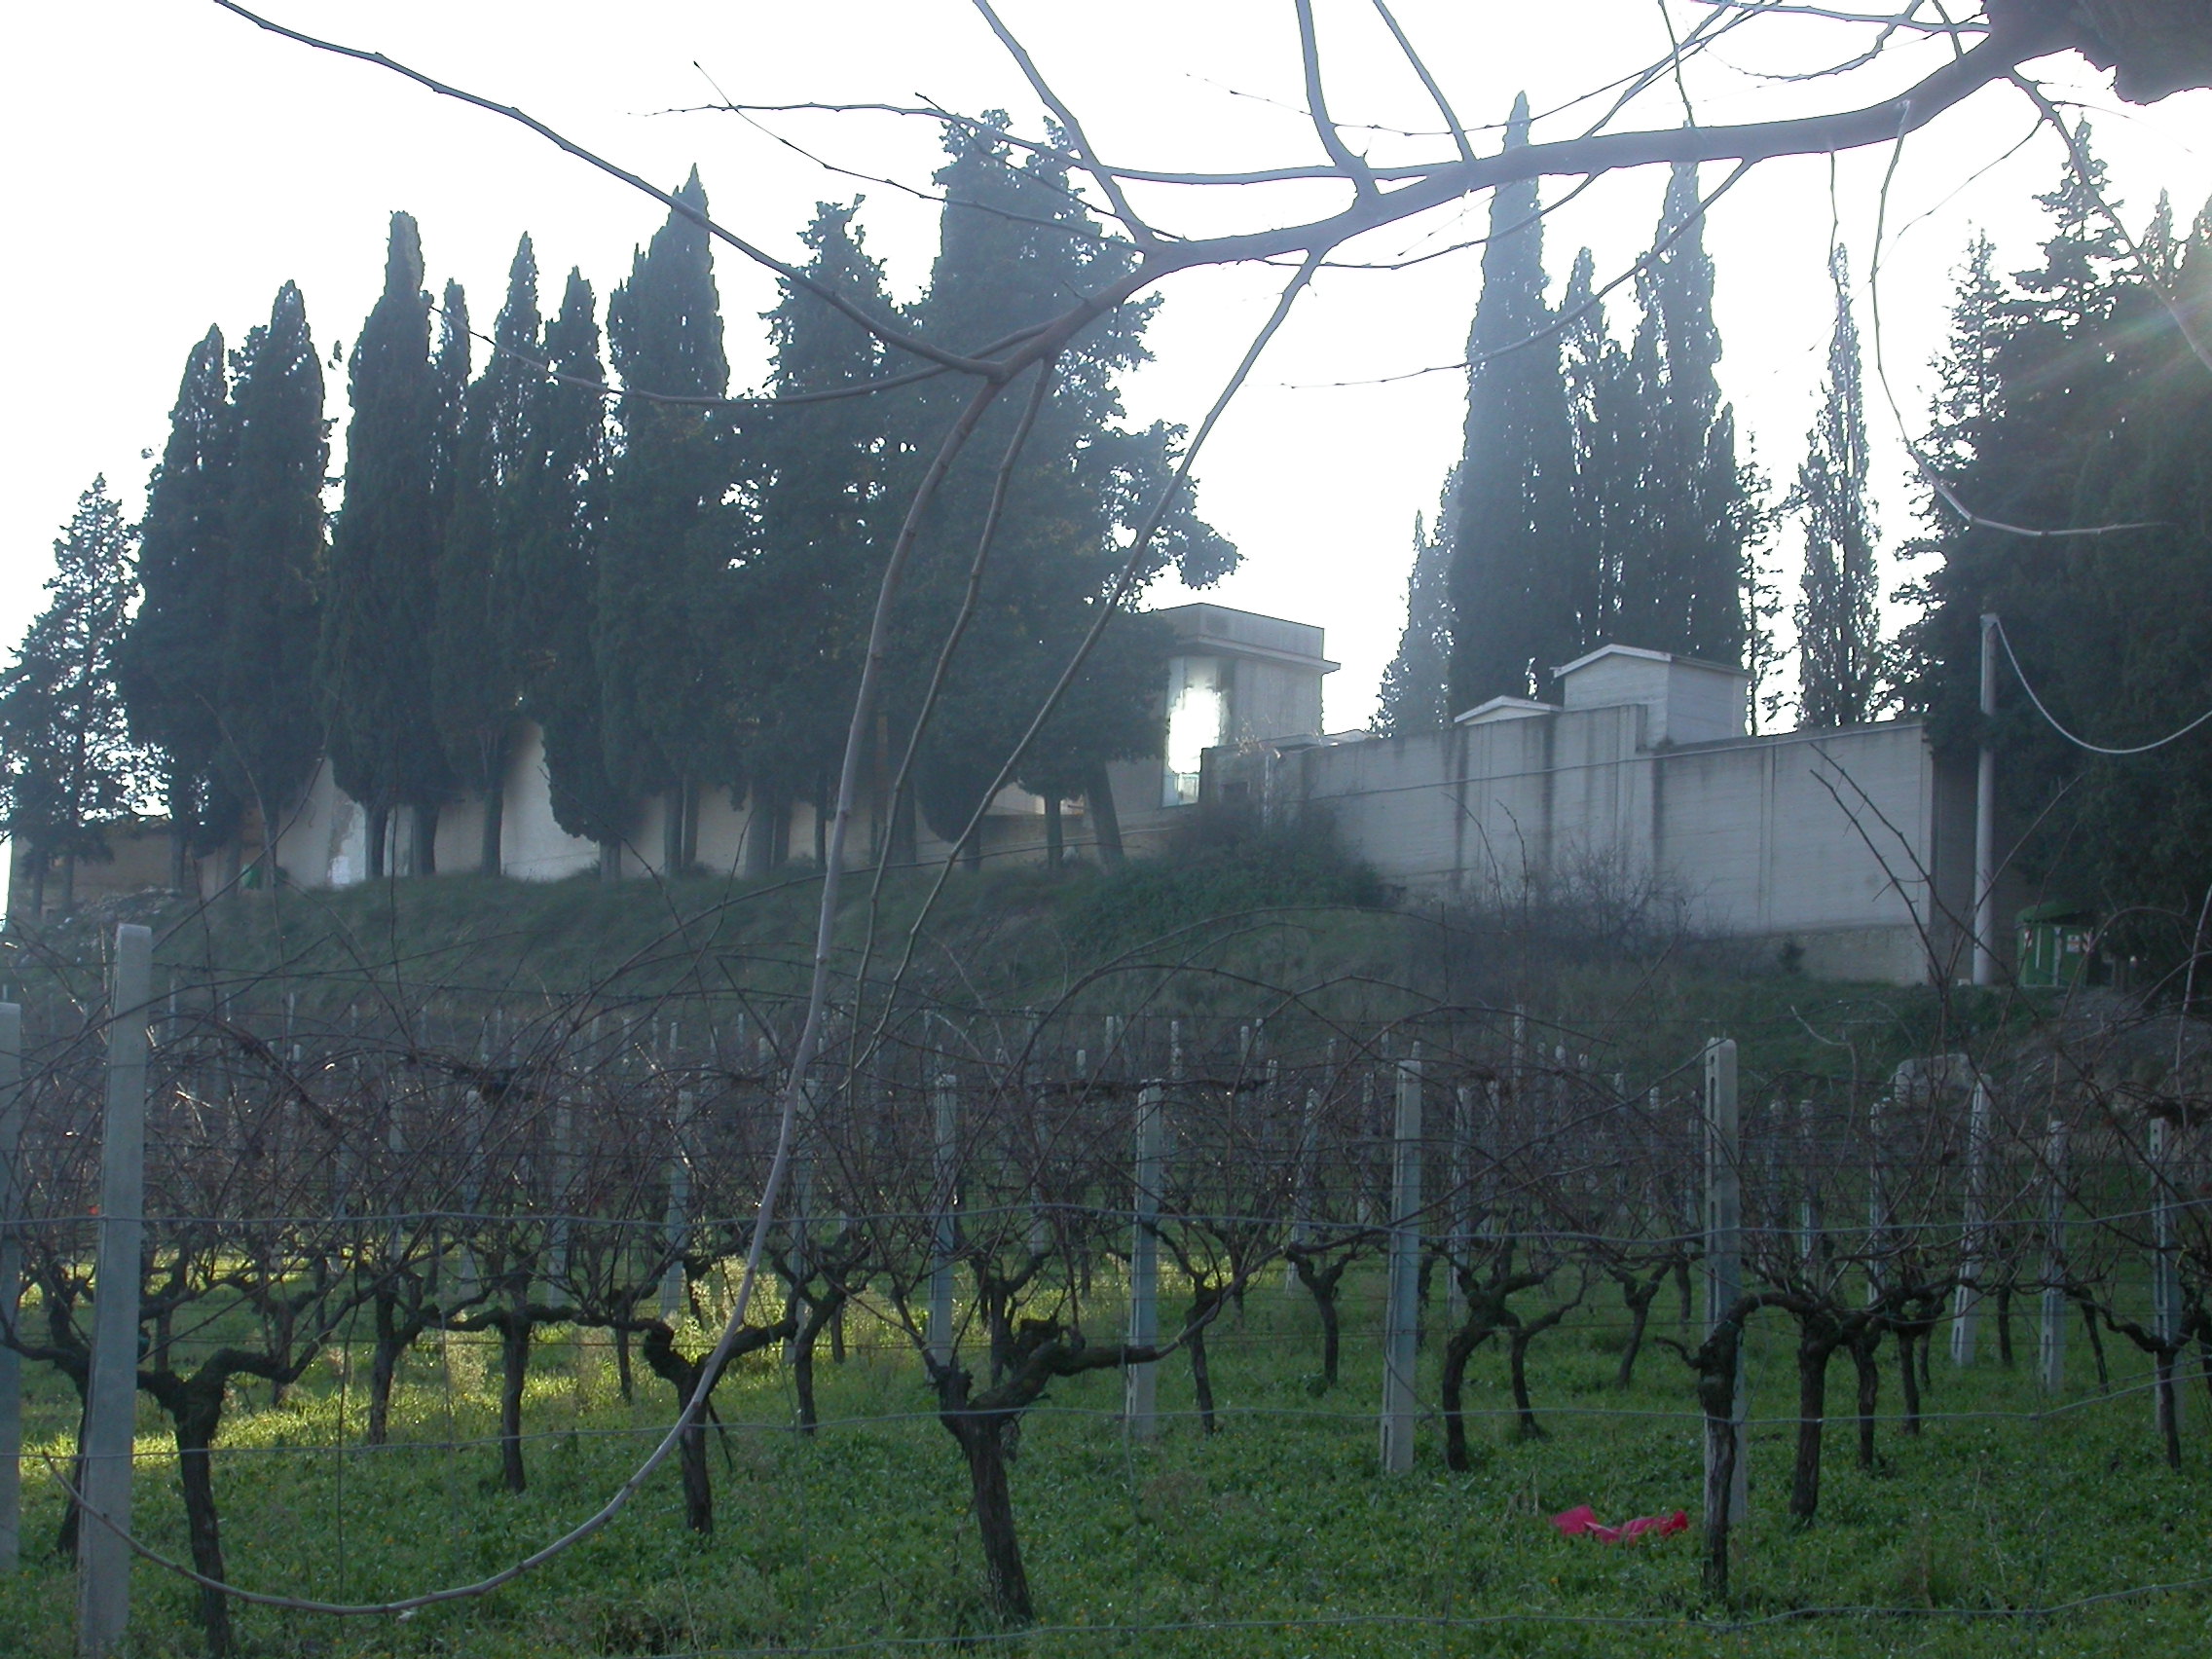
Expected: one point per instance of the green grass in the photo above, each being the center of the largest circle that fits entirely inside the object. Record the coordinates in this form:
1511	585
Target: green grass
1277	1535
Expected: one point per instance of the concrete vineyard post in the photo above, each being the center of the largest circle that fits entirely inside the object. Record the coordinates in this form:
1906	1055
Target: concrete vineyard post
1141	1382
103	1559
1723	1274
1401	1321
1965	1299
2050	1355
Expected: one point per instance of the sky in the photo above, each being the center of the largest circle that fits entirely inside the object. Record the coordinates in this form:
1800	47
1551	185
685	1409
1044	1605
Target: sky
175	165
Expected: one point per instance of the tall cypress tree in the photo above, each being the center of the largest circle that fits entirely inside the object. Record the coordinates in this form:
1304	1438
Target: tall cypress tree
1513	586
663	569
1605	525
67	765
271	732
825	514
1415	695
473	669
1839	630
380	599
1682	567
1015	243
556	507
170	665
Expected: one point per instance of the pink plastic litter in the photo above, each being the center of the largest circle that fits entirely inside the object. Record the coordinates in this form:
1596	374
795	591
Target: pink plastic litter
1582	1522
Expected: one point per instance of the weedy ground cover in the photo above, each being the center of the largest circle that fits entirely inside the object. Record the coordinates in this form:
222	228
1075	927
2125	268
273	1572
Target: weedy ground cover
1275	1536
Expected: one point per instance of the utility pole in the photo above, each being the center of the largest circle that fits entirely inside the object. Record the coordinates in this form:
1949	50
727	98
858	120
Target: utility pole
1985	815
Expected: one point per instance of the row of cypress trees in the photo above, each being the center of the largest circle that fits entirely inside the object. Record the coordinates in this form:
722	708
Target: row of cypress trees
673	583
1600	496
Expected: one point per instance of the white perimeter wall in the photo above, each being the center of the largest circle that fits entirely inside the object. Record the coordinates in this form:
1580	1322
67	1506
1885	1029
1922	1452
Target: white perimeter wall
1821	838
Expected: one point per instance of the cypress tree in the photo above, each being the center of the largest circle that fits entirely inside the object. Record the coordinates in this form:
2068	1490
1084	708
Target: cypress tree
67	765
1016	242
1415	689
270	734
1513	588
170	665
381	600
1604	526
558	506
663	591
474	671
825	515
1839	630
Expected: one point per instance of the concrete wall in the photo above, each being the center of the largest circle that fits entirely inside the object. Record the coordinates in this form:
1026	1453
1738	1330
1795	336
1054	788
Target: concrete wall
1838	843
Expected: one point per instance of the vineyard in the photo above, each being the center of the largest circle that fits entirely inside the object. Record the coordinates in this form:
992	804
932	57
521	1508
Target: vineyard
1081	1331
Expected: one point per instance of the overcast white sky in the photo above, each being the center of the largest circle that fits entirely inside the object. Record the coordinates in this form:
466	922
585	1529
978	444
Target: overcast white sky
174	165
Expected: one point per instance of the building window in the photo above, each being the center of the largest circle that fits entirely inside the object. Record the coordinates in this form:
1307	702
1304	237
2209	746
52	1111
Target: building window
1197	711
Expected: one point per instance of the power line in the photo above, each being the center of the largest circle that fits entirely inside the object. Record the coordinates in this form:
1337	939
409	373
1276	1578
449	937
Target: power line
2083	742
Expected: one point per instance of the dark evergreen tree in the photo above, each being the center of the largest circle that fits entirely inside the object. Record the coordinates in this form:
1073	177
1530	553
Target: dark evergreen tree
664	611
1839	667
68	768
1514	590
556	506
473	653
1416	685
1015	243
2070	401
170	665
826	517
1603	525
271	732
380	601
1697	513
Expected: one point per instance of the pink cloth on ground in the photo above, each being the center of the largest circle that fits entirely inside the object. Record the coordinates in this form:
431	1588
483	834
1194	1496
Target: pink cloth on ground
1582	1520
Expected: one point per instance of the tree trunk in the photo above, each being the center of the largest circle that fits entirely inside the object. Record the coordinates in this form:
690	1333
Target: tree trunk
610	863
1717	1393
1909	1375
692	1465
422	858
384	1367
376	834
514	1370
622	1378
1684	1303
1813	1356
1098	798
1321	1285
490	855
2166	1403
802	1369
196	1425
761	852
1055	840
1203	1304
675	810
1450	1390
993	1499
2097	1349
68	884
180	859
2005	1323
1640	1297
1870	1376
1517	1363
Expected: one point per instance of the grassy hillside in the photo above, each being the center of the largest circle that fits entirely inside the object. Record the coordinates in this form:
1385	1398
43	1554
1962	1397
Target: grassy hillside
1276	930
